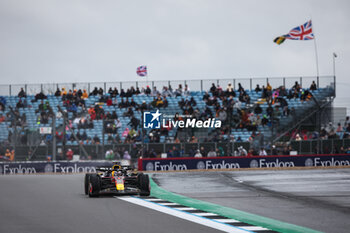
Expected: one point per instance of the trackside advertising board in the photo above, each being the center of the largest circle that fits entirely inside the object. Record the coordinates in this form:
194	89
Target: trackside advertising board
171	164
7	168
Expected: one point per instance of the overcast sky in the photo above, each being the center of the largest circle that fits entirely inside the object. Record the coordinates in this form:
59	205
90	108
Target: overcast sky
44	41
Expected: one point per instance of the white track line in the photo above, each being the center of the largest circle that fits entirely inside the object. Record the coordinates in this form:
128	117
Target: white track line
184	215
153	199
185	208
225	220
254	228
167	204
205	214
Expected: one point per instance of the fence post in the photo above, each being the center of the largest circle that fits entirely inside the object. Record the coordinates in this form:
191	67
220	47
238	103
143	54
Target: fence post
105	87
137	84
10	90
334	86
250	84
267	81
234	84
201	85
284	82
310	146
318	82
41	87
88	88
103	137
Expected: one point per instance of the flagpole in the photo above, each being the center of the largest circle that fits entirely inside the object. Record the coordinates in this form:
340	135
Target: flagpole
316	55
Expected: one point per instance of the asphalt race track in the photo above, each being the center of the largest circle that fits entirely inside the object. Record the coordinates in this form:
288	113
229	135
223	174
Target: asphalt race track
56	203
317	199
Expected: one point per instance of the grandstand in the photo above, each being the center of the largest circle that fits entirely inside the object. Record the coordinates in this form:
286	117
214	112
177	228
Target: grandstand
251	135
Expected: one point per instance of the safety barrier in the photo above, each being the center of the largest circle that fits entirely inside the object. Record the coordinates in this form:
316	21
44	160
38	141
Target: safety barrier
178	164
61	167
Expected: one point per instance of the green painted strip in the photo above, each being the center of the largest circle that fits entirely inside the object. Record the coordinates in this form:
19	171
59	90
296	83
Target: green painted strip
239	215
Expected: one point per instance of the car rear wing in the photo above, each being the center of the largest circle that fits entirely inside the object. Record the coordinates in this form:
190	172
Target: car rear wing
105	168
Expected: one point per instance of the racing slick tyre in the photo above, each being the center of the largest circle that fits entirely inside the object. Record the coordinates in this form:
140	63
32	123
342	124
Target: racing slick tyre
86	183
94	185
144	185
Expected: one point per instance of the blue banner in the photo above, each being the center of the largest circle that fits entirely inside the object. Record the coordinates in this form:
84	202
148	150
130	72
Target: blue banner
244	162
50	167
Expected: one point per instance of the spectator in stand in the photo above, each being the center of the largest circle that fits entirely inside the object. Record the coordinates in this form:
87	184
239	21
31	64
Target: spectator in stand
22	94
178	91
257	88
58	92
8	154
230	91
206	96
262	152
269	110
84	95
211	153
198	154
258	109
155	92
2	103
147	91
96	140
2	118
194	139
187	91
159	102
126	155
69	154
129	113
167	92
109	154
20	104
240	88
63	92
285	151
268	87
39	96
313	86
242	151
274	150
339	128
175	152
296	86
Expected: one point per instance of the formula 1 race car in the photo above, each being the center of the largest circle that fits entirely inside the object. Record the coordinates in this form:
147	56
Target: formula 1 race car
116	180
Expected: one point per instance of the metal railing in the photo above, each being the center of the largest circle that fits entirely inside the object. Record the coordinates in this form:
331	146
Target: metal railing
194	85
330	146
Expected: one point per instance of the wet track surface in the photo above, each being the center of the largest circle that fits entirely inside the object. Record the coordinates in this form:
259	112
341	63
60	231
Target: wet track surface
56	203
318	199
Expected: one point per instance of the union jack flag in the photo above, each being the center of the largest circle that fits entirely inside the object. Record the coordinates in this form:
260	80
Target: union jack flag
141	71
302	32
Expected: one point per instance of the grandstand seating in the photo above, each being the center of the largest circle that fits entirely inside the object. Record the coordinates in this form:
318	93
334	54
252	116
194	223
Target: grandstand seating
172	108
